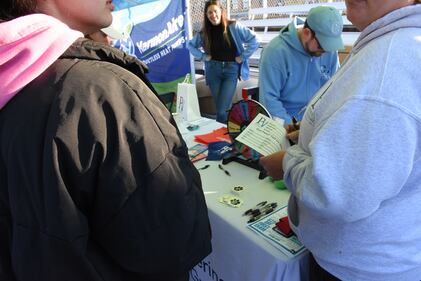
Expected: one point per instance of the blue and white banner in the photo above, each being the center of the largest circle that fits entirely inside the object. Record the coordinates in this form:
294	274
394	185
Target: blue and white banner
156	31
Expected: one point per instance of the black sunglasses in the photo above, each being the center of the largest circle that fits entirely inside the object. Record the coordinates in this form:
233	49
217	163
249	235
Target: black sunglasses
314	36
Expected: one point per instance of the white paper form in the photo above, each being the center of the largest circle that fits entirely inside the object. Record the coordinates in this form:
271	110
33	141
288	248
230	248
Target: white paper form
264	135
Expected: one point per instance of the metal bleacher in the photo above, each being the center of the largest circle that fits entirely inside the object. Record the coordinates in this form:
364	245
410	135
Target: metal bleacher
284	14
267	21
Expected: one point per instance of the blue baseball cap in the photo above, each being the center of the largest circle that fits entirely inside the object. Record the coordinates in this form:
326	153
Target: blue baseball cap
327	24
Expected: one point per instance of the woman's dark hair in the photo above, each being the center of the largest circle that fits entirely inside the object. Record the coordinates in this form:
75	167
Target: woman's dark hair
207	25
11	9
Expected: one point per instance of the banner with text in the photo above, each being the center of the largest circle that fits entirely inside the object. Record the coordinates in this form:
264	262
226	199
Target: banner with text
156	32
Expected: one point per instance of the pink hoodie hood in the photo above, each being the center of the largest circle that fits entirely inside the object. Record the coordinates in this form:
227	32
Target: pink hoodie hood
28	46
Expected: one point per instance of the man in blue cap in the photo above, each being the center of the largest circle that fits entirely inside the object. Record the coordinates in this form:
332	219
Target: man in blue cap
296	64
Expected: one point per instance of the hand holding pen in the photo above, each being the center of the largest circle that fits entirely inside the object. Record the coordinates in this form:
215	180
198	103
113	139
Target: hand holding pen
293	130
295	123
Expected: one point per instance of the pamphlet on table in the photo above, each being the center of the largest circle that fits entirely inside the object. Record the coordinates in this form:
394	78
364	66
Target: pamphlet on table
266	228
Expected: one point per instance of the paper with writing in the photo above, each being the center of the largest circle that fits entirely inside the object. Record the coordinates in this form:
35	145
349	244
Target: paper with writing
264	135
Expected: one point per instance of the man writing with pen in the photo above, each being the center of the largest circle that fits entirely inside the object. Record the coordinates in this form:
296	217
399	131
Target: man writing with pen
298	62
354	182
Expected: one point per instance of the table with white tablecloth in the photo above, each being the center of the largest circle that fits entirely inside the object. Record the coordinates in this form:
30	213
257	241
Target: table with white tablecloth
239	254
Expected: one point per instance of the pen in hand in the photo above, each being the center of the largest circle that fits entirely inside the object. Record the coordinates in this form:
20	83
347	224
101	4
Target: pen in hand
295	123
225	171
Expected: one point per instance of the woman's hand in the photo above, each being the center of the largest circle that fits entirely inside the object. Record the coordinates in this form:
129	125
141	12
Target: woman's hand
238	60
273	164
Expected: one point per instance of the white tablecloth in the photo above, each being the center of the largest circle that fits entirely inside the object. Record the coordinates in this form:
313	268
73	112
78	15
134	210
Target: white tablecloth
239	254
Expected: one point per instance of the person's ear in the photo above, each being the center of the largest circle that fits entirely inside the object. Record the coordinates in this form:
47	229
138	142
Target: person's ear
307	33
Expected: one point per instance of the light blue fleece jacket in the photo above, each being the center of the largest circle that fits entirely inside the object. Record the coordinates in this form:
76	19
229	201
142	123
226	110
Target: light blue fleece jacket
289	76
355	175
245	40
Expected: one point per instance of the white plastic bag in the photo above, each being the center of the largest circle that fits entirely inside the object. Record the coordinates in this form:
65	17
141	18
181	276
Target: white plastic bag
187	101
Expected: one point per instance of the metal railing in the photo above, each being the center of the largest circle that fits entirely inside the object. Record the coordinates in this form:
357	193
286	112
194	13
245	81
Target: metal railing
239	9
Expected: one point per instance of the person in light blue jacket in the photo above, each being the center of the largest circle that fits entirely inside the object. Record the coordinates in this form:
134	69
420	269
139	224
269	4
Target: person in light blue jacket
225	47
355	174
295	64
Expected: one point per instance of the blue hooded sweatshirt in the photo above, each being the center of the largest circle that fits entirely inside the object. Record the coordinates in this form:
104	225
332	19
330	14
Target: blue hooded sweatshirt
289	76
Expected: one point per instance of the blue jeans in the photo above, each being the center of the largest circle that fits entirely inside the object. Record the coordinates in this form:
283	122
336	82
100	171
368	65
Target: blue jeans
222	79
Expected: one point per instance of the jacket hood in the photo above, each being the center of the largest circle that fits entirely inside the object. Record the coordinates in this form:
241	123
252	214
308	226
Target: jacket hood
406	17
290	36
28	46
